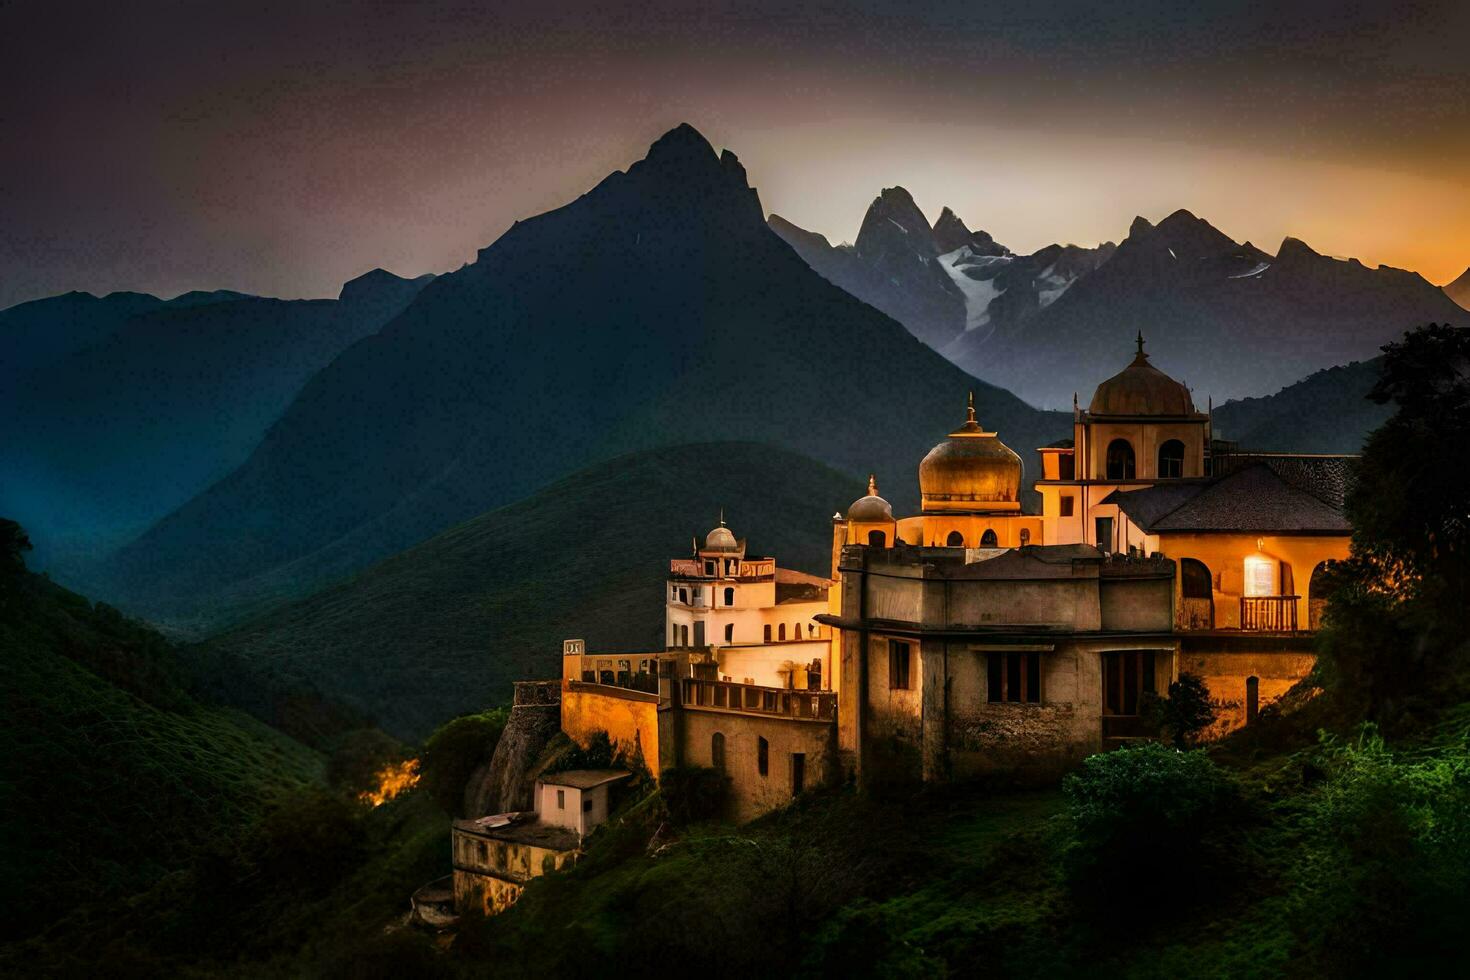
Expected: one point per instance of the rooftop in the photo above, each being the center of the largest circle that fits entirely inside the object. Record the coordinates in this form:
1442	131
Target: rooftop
1266	495
1033	562
584	778
531	832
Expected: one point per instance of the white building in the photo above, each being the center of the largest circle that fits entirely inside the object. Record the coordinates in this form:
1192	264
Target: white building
756	618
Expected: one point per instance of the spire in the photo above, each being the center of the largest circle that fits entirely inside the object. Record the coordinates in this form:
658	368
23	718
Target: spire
872	485
722	517
970	410
1140	341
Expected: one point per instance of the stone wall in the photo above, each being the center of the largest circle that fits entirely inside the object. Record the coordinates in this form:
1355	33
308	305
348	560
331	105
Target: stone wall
751	793
506	782
629	717
1226	673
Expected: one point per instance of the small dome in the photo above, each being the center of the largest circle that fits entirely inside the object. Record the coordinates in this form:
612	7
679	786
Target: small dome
971	470
721	539
1141	389
871	509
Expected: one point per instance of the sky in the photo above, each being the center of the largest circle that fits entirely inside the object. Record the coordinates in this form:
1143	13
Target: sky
283	148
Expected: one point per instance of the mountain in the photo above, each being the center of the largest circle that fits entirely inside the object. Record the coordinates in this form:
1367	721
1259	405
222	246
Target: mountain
114	776
1228	318
1222	317
130	405
895	265
1459	290
1327	412
444	627
656	309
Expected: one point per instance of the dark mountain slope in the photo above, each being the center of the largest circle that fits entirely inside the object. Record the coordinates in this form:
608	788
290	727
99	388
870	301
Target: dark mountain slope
1224	318
101	442
446	626
656	309
1328	412
1459	290
112	775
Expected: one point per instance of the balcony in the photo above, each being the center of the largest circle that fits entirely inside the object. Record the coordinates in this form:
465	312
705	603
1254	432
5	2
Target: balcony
750	699
1269	613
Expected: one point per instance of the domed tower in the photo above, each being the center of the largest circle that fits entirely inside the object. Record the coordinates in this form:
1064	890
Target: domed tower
870	519
970	472
1141	428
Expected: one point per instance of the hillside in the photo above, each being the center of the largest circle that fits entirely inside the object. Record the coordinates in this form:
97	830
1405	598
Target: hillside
1459	290
657	309
1328	412
113	776
444	627
129	405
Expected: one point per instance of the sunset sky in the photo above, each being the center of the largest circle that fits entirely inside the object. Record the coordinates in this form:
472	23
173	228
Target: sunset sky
284	148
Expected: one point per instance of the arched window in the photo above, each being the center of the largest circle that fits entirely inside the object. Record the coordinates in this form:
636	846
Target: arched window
781	631
1198	609
729	632
955	540
768	632
1025	536
877	539
1120	460
717	750
988	539
1171	460
762	756
729	597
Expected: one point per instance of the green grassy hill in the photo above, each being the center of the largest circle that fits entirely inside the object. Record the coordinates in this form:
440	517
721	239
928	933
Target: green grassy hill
113	775
444	627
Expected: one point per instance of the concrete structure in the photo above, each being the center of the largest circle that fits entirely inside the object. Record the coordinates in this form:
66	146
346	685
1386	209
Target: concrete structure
959	662
576	800
755	617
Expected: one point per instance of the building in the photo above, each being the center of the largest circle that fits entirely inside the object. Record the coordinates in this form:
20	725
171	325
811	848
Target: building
754	616
959	662
495	856
1165	551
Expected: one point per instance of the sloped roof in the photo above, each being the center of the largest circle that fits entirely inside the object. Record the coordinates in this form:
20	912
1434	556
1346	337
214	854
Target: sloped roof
1256	498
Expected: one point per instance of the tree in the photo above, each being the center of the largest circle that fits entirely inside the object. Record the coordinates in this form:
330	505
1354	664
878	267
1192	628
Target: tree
14	543
454	751
1185	713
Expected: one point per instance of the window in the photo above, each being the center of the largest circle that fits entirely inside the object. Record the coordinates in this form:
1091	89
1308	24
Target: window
1025	536
699	634
762	756
684	596
877	539
1120	460
1067	466
899	656
1171	460
729	632
798	773
1260	576
729	597
482	850
717	751
586	806
796	631
1103	533
1014	677
955	540
709	568
782	631
1068	502
988	540
768	632
1126	675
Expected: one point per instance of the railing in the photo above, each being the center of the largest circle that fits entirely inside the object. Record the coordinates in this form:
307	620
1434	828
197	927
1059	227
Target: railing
1269	613
633	680
750	699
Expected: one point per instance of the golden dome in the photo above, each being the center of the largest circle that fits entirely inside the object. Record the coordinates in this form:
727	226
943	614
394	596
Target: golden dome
871	509
972	470
1141	389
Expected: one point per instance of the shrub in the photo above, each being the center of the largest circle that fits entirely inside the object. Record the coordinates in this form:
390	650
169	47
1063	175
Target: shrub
694	793
356	757
1186	711
1144	816
452	754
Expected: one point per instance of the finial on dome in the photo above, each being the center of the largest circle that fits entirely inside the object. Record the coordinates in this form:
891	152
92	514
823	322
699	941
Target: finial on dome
722	517
872	485
970	408
1140	341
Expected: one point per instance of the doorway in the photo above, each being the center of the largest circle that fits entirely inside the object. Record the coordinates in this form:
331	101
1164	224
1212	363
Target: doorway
798	773
1127	674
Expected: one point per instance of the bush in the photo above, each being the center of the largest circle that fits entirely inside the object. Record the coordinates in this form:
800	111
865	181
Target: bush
694	793
1185	713
1144	816
455	751
356	757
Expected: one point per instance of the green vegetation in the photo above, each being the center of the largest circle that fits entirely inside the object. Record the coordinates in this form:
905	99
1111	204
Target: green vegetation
455	751
443	628
1184	713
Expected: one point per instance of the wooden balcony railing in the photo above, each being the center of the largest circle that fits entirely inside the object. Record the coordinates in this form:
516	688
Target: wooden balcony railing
1269	613
751	699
